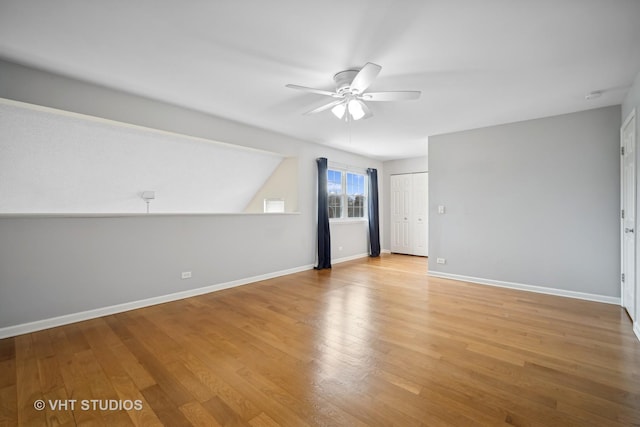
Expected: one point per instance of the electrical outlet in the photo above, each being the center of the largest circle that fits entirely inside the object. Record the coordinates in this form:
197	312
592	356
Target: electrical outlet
186	275
441	261
440	209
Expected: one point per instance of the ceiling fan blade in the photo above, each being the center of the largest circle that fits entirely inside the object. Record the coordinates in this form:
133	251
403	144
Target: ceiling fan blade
407	95
365	77
312	90
325	107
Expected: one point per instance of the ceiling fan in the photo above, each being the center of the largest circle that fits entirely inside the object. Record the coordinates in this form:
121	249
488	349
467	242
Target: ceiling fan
351	96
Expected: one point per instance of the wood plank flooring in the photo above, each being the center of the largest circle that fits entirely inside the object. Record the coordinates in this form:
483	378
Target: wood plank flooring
372	342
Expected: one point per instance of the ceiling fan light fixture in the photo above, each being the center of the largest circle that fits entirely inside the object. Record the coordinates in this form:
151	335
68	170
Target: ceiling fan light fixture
351	86
339	110
355	109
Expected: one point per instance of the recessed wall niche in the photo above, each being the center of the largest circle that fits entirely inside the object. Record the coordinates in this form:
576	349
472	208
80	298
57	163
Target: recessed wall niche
52	161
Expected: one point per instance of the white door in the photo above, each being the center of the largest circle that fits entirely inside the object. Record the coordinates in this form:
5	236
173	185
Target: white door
400	213
420	211
628	214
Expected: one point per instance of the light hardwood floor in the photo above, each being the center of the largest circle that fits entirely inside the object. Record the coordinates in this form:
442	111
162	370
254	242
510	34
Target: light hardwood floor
373	342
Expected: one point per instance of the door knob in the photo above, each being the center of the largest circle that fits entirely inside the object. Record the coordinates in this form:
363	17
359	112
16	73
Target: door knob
628	230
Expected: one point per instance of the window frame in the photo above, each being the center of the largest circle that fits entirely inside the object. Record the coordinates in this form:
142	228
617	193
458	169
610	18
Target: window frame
344	196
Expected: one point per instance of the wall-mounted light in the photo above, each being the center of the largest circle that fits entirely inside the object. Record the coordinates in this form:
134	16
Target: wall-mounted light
148	196
593	95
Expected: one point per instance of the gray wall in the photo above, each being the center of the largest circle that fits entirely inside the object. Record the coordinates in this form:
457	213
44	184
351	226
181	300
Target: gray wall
533	203
395	167
57	266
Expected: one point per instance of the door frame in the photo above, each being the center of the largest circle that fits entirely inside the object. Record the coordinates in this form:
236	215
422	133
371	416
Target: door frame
628	119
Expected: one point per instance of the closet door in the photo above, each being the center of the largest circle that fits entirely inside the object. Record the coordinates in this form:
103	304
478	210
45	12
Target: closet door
420	214
401	192
410	214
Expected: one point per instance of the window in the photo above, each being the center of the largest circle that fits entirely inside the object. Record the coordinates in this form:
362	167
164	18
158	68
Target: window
346	189
273	205
334	187
355	195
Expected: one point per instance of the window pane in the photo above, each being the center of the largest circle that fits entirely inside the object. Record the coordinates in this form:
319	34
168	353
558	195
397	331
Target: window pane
334	188
334	182
335	206
355	195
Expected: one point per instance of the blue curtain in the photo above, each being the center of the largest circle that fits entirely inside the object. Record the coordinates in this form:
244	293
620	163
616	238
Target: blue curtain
374	222
324	237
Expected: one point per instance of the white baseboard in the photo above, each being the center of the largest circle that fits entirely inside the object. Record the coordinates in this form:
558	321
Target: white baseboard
348	258
11	331
530	288
385	251
636	329
38	325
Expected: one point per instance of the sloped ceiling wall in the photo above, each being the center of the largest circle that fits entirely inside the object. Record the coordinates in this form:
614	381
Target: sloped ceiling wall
281	185
57	162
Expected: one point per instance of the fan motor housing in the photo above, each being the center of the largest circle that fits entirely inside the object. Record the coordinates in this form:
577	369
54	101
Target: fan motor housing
343	80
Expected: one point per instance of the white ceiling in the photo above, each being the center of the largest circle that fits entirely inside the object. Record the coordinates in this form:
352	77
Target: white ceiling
477	63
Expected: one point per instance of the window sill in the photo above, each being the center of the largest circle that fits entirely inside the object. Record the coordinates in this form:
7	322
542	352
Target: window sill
137	214
348	220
